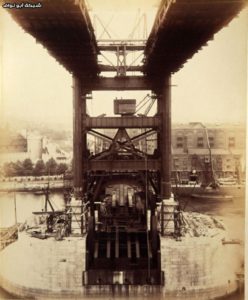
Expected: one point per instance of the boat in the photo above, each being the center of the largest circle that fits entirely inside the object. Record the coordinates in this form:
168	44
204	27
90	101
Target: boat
40	192
185	190
229	181
211	187
212	196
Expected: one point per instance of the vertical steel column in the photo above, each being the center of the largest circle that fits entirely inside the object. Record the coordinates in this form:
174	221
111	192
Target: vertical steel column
164	110
79	106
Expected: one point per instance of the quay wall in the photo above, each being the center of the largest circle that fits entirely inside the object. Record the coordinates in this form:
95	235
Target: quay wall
195	268
37	183
32	183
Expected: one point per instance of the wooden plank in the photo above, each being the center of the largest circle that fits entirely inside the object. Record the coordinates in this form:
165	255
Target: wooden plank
96	250
108	248
129	250
117	245
137	247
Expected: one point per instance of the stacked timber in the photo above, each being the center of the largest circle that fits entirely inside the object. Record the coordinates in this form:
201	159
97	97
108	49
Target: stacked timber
8	235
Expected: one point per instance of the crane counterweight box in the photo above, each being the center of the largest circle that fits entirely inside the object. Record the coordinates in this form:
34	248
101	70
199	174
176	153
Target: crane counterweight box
124	106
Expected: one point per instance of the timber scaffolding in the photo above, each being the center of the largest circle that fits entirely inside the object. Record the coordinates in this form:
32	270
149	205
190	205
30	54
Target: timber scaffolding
180	29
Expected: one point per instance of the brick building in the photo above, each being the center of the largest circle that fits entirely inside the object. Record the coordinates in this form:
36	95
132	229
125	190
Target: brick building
16	146
190	148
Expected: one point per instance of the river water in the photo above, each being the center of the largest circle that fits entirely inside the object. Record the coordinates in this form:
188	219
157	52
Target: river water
26	203
232	213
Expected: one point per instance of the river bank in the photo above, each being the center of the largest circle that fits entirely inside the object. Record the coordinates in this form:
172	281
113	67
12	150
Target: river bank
33	184
59	183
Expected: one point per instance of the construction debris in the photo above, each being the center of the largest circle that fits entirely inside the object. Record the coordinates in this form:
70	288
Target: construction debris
196	225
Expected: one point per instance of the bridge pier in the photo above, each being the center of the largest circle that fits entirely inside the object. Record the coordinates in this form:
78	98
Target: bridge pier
168	204
79	157
164	111
79	137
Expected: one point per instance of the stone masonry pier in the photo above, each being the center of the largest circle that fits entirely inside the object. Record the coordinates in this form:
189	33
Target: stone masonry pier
194	268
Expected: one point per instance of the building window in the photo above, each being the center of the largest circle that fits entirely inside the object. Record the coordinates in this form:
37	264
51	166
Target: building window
179	142
176	163
211	141
206	159
231	142
200	142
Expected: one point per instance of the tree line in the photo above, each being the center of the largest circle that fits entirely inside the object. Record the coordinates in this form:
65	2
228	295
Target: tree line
28	168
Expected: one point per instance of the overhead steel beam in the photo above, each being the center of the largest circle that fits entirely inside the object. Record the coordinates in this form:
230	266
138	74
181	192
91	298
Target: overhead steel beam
106	68
182	28
118	42
143	135
124	165
122	122
112	47
100	135
65	30
121	83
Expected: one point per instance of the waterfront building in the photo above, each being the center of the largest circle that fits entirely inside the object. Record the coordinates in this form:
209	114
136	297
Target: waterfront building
53	150
190	149
16	146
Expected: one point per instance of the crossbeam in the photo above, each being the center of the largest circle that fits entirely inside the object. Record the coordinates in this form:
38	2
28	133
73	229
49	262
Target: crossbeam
122	122
124	165
129	47
128	83
107	68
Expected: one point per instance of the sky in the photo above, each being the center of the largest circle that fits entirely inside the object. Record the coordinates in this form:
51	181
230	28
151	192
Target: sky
214	83
211	87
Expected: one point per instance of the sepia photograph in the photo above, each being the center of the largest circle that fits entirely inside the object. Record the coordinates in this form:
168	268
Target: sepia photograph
123	149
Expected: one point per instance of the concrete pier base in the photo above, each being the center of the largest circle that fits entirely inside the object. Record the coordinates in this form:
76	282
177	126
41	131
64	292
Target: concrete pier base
199	267
194	268
38	268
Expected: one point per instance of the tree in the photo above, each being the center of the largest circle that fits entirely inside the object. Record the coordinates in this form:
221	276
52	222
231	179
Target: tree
51	166
9	169
40	168
27	167
13	169
1	171
19	168
61	168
